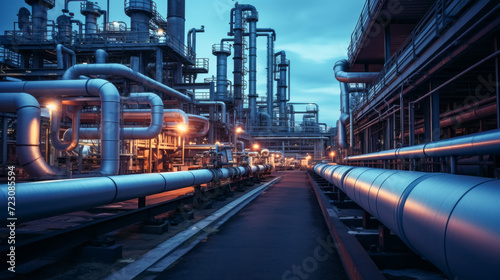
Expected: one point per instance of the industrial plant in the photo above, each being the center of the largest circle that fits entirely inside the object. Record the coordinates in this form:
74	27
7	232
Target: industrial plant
114	131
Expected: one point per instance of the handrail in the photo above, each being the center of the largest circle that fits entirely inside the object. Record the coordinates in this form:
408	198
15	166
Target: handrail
434	20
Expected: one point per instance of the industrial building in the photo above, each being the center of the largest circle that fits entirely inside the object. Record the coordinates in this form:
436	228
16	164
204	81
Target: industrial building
103	114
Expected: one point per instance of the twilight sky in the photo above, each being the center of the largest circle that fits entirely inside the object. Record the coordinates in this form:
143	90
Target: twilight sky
315	34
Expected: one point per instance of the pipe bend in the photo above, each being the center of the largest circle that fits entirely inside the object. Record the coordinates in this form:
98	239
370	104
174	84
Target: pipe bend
28	134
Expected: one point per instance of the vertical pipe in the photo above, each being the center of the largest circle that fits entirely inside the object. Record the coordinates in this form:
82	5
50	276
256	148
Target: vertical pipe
159	65
435	133
252	88
270	67
497	85
4	140
282	84
453	164
387	42
211	113
411	120
176	19
387	139
402	118
351	129
238	62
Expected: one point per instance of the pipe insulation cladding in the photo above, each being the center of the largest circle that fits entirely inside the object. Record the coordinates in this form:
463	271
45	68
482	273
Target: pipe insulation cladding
110	116
451	220
36	200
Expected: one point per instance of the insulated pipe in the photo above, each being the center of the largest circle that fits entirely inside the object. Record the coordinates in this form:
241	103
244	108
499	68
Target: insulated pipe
192	38
267	116
55	126
115	69
156	115
342	135
483	143
27	134
450	220
201	120
60	49
110	118
140	115
242	145
100	56
271	37
216	103
475	114
50	198
344	78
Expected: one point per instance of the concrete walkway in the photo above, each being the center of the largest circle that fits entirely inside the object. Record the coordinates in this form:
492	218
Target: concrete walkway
280	235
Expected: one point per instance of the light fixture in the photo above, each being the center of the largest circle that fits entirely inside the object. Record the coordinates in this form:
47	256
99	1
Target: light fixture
182	128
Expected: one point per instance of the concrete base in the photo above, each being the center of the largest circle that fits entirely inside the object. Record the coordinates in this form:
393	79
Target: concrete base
155	228
106	254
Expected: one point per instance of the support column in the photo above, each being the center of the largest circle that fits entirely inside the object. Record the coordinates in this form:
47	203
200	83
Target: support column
387	43
411	120
435	129
427	120
497	85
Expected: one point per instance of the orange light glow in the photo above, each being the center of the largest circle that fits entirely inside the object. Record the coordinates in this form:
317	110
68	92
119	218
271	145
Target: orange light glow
182	128
239	130
332	154
255	146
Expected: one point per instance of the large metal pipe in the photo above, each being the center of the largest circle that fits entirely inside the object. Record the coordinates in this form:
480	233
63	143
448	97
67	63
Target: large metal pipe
176	116
100	56
341	133
271	37
28	133
216	103
192	38
450	220
201	121
176	19
50	198
344	79
110	118
60	50
55	126
156	116
120	70
472	115
482	143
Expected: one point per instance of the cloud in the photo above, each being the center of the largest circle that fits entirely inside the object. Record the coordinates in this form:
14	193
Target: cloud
318	52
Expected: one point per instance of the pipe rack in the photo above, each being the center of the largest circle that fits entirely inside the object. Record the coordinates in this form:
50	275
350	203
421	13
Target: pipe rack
458	214
50	198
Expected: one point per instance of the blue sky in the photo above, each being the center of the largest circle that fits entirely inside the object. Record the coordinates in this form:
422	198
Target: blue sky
315	34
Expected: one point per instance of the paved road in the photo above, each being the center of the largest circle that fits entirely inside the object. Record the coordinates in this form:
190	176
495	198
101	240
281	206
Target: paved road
280	235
